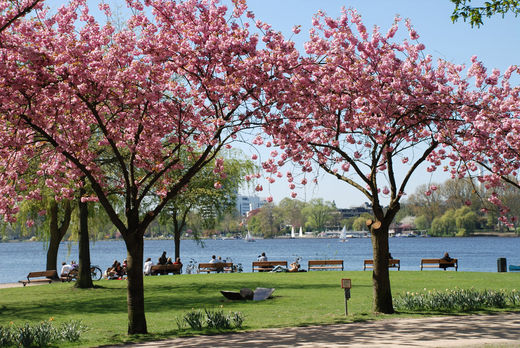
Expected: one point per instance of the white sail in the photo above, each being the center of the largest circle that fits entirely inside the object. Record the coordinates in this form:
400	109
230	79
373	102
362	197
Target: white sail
292	232
301	232
343	235
249	237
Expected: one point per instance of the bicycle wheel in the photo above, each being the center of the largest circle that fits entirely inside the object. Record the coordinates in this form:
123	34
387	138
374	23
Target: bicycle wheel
96	273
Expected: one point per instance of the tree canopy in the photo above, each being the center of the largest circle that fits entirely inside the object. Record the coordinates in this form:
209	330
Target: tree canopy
475	14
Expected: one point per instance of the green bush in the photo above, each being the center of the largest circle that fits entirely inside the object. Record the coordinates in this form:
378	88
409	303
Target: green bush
42	334
195	319
71	331
463	300
6	337
217	320
212	319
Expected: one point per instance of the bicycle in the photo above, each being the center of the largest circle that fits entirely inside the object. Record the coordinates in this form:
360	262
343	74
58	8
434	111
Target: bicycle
95	273
237	268
191	268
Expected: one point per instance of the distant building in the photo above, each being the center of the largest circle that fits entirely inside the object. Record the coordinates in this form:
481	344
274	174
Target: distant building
244	204
357	211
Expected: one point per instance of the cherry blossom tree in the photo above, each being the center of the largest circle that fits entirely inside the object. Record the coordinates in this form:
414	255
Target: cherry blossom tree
11	10
369	110
488	147
122	109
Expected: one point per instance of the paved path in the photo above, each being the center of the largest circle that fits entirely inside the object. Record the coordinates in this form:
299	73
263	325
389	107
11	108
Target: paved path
500	330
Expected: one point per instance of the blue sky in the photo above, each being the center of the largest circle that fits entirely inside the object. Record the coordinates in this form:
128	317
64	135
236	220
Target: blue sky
496	43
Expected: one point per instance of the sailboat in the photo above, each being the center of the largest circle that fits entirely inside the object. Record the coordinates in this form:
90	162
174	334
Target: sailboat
292	232
249	237
343	235
301	232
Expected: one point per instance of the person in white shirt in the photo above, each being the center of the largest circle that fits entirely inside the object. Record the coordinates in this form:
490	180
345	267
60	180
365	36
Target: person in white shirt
148	266
65	269
262	257
213	259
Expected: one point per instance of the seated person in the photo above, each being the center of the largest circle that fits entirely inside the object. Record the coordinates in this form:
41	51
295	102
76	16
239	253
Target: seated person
446	261
148	266
178	262
262	257
65	269
116	272
215	260
163	259
294	267
169	261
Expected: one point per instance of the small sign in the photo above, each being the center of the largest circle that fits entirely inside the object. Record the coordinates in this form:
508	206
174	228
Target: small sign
346	283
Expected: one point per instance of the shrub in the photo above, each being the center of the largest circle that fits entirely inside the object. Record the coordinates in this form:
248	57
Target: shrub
40	335
71	331
212	319
217	320
463	300
6	337
194	319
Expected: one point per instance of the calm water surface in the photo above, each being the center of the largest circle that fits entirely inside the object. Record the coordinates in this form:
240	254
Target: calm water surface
475	254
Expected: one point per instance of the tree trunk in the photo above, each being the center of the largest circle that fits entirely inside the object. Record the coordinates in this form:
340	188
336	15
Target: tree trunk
135	289
380	249
84	280
177	242
57	232
380	275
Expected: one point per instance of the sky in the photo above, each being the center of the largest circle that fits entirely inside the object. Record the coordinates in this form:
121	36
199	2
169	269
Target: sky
496	44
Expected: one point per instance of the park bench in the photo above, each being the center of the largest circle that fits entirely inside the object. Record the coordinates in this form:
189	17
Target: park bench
392	263
437	263
48	276
216	267
266	266
165	269
321	265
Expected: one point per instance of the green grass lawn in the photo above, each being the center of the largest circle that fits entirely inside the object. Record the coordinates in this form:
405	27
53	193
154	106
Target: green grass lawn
300	299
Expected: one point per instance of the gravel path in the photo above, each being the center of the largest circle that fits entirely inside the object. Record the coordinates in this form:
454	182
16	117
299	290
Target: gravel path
500	330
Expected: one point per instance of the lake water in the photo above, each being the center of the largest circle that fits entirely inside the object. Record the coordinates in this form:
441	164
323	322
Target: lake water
475	254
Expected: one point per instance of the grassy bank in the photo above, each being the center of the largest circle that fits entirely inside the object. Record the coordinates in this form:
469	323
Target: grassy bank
300	299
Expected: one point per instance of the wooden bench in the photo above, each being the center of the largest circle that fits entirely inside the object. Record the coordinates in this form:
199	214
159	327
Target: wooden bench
437	263
49	277
392	263
321	265
218	267
266	266
165	269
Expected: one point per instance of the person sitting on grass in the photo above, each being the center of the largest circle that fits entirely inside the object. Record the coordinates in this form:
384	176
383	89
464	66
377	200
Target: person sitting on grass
148	266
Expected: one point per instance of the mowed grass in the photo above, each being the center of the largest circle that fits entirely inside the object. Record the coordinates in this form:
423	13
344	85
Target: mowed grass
300	299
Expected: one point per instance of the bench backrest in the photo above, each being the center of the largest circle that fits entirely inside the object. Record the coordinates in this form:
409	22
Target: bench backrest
391	262
173	267
269	263
438	261
216	265
325	262
48	274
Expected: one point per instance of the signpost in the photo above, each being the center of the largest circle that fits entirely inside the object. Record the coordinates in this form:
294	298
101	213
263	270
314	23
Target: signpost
346	284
